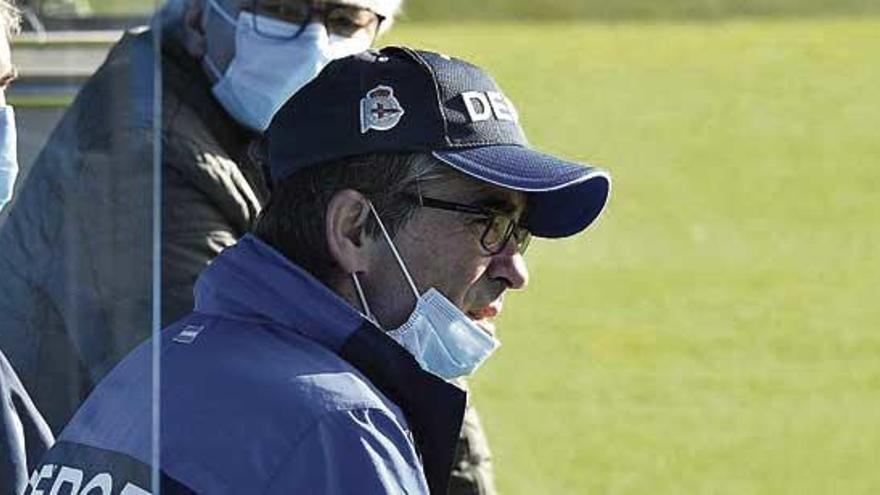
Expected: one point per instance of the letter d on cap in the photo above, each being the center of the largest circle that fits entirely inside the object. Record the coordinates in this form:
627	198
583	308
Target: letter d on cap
477	105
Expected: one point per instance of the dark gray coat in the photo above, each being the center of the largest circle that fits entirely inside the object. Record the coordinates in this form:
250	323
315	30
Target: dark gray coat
76	252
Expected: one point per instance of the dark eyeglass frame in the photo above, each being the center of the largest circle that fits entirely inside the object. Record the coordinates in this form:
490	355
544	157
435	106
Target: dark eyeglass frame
322	8
514	230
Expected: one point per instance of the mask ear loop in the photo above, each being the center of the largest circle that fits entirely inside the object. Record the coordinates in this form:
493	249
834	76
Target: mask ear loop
212	67
360	292
409	279
215	71
220	10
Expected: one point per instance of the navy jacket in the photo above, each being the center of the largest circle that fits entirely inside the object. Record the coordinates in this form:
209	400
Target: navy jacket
273	384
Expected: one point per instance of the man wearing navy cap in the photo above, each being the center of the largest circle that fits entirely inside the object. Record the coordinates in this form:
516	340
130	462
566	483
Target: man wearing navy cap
323	348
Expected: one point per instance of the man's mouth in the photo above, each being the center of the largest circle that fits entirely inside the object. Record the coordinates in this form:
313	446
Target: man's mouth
487	311
484	316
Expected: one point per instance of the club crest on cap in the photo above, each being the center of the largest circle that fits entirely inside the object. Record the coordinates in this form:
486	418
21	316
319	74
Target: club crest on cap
380	110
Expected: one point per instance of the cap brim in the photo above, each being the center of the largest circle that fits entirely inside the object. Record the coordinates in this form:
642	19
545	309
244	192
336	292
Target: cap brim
564	197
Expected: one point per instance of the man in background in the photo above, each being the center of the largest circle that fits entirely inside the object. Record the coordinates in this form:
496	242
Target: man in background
24	435
76	252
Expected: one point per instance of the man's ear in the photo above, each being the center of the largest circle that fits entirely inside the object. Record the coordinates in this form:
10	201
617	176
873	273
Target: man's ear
193	31
345	221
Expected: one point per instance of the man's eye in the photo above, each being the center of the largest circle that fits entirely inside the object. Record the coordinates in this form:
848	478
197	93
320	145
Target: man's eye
342	23
348	23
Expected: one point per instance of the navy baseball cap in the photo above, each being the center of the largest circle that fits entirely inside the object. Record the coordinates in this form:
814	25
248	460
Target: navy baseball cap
404	100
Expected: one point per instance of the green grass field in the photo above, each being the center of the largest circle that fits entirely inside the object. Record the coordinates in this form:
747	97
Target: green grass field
627	9
567	9
717	331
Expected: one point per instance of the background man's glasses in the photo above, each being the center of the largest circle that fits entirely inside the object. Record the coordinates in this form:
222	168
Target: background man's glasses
340	19
500	227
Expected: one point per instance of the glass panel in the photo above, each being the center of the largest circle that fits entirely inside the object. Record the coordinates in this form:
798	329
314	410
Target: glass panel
79	250
78	15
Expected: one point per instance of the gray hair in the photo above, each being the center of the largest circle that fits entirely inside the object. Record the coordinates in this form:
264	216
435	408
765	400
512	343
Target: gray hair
293	220
10	16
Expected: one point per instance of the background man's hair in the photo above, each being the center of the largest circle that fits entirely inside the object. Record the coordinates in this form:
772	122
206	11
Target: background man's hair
10	16
293	220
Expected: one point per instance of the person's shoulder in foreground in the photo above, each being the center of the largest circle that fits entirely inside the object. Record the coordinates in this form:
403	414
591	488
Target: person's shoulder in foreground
24	434
254	397
306	367
259	395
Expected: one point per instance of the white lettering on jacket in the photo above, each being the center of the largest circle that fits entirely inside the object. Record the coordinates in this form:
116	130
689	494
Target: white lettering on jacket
70	480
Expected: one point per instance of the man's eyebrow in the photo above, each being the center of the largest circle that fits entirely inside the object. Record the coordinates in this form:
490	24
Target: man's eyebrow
501	205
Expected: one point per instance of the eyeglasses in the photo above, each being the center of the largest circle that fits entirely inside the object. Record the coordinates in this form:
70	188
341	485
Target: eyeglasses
340	19
500	227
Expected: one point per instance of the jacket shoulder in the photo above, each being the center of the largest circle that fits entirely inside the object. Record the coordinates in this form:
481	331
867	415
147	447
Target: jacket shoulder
359	451
236	399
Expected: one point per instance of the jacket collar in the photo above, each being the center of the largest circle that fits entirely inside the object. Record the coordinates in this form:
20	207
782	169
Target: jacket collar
433	407
251	281
254	282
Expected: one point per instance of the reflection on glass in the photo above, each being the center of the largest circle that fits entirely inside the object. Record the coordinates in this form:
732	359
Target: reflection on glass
102	246
77	242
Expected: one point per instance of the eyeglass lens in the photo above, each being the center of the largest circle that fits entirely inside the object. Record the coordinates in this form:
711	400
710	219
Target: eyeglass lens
499	232
339	19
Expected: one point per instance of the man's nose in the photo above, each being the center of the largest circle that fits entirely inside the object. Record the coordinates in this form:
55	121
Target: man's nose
510	265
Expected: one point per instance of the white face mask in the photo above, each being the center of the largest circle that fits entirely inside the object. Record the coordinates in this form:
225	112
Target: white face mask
8	154
441	337
270	66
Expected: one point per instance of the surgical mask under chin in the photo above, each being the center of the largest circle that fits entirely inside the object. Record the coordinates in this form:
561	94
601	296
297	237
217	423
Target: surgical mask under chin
270	66
8	154
440	336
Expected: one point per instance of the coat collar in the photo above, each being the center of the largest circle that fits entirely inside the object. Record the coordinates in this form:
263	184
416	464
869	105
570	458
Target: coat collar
433	407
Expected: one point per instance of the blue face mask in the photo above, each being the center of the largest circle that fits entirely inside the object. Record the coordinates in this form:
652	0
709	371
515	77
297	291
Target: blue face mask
270	66
8	154
439	335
